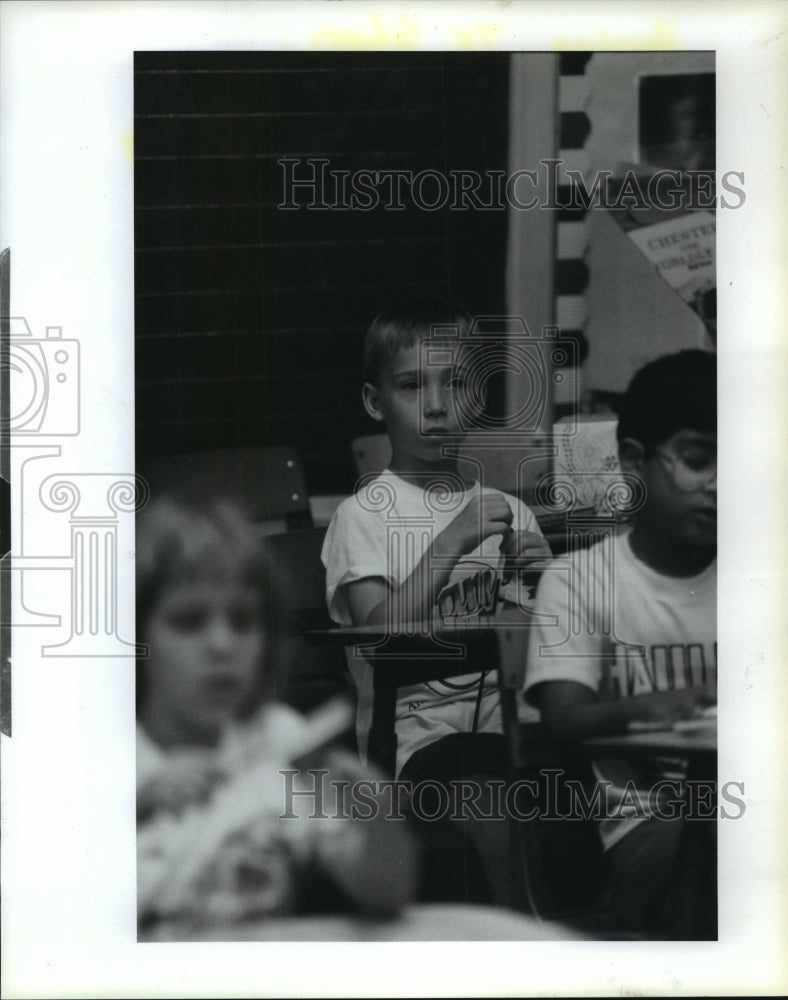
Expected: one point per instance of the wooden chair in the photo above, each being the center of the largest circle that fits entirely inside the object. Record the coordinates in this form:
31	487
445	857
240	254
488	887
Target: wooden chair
371	453
266	483
563	863
305	674
558	865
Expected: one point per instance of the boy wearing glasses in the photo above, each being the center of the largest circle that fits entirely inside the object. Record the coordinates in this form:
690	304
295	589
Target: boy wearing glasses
629	634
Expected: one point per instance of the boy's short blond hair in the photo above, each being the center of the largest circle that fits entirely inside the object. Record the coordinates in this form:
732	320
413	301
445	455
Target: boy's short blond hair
402	324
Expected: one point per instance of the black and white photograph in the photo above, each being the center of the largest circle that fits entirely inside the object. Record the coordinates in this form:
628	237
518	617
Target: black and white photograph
326	249
363	559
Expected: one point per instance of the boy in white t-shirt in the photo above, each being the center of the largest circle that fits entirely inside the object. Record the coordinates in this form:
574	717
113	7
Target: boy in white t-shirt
422	543
632	632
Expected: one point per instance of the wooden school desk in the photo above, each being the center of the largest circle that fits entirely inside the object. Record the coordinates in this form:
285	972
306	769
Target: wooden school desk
428	651
693	910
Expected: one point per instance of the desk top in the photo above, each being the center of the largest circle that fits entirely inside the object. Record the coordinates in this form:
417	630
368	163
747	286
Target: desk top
418	922
424	651
512	617
683	743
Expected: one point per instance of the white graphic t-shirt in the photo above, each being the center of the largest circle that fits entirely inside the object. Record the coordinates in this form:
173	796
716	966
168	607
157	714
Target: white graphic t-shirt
383	531
611	623
194	865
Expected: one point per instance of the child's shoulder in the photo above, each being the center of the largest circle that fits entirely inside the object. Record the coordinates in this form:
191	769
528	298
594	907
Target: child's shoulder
599	563
583	570
360	512
376	496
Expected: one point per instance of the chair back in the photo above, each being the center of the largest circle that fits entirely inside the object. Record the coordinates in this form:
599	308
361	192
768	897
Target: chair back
266	483
371	454
305	675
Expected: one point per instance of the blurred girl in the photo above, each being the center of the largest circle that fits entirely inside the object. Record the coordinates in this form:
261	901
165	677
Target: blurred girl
211	745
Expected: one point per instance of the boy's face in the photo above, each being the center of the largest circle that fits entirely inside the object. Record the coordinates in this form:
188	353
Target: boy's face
680	478
206	644
420	405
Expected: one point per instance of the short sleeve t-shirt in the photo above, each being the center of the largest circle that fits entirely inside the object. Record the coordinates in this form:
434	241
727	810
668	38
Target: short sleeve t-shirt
384	531
236	854
614	625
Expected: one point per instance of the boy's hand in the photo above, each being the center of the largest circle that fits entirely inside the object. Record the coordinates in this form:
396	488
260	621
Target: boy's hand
521	549
572	711
670	706
189	776
486	515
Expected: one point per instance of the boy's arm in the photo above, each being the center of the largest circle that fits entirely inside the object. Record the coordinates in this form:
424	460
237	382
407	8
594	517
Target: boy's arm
565	688
570	710
372	601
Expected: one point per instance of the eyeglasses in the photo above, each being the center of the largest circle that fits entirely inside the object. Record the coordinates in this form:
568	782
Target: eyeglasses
692	468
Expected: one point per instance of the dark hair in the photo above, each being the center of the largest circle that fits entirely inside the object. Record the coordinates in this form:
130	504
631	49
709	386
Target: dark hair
673	393
401	324
179	541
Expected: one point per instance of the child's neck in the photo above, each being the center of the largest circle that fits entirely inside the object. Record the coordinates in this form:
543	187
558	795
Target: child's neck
669	556
413	471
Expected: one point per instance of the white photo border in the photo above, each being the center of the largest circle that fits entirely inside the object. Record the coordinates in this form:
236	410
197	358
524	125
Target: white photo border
66	163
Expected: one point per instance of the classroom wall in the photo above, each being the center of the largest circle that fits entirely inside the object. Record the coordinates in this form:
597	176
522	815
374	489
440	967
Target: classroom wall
633	316
249	319
591	280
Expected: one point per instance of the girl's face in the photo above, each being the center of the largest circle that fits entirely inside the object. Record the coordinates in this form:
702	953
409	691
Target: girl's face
206	642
